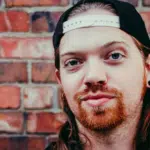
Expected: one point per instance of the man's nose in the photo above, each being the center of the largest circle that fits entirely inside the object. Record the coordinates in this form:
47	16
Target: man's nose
96	73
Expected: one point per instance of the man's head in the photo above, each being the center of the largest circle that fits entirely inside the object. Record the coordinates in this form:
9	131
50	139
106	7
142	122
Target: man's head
102	69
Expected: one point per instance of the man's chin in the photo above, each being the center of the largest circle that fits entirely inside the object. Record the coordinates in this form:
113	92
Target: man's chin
101	120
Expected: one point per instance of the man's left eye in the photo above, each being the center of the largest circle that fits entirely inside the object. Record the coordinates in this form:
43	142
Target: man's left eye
115	56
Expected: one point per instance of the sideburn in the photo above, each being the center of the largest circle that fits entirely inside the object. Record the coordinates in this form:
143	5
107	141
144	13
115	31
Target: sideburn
69	133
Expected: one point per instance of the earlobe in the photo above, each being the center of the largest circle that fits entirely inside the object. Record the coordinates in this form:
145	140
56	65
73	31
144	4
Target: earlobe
148	70
148	79
57	73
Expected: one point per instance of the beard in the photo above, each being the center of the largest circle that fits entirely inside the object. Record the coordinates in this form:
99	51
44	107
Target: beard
103	118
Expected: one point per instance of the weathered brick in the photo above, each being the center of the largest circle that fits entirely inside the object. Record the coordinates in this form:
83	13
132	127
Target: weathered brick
45	122
11	122
3	25
54	2
43	72
15	21
36	143
22	143
9	97
44	21
39	48
146	2
41	22
19	21
15	143
12	3
146	18
13	72
38	97
4	144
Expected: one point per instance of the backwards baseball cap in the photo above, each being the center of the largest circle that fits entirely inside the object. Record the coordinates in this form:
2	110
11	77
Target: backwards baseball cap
129	20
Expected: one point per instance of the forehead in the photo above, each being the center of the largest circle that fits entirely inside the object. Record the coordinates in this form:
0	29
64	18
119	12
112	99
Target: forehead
92	37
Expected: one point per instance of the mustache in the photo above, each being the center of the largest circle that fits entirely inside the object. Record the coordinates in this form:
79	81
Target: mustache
98	89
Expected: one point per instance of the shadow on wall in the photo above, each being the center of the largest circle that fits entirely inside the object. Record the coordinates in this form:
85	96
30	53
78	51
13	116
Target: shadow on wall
46	24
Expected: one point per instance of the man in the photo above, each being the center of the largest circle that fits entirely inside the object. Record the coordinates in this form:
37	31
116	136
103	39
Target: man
102	65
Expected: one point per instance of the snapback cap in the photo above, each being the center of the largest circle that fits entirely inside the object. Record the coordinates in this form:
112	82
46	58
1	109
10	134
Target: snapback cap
130	21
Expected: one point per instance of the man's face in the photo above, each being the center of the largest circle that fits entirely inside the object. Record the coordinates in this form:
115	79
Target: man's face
109	55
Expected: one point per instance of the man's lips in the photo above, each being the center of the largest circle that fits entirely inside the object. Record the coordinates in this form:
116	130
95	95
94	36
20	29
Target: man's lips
98	96
98	100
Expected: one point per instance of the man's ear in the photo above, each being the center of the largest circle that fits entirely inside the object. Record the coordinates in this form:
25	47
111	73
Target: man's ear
57	73
148	70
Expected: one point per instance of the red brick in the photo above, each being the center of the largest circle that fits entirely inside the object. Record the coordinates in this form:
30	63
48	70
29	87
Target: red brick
146	18
49	2
45	122
36	143
12	3
22	143
15	21
13	72
146	2
38	97
39	48
13	143
3	25
43	72
9	97
4	144
54	2
19	21
11	122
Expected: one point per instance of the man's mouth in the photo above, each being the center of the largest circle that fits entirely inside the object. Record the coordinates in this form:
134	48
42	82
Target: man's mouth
98	99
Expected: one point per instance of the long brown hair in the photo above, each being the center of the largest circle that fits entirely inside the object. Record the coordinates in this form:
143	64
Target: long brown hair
69	136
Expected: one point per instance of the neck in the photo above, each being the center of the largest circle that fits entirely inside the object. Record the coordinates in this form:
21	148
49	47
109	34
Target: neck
121	137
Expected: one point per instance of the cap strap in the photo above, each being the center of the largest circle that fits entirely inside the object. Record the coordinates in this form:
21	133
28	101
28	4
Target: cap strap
91	20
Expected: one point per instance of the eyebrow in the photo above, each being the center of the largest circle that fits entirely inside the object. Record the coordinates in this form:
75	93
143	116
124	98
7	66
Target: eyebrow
101	47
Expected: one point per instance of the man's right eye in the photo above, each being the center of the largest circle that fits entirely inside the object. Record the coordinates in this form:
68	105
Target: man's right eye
72	63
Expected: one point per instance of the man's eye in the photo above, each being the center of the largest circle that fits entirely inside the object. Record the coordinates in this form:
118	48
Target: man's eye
72	62
116	56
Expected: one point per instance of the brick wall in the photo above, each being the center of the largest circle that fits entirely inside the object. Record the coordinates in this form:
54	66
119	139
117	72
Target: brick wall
30	114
